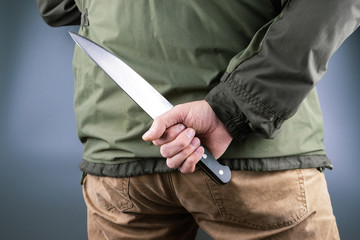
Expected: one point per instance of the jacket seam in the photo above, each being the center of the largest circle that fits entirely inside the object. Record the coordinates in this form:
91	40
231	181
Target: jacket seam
241	90
253	100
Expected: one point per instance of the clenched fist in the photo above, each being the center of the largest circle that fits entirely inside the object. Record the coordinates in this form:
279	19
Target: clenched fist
179	132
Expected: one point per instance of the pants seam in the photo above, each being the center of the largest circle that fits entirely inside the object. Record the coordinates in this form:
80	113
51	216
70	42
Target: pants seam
171	186
218	203
302	195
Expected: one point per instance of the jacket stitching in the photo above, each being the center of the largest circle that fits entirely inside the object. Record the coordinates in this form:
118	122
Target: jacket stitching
253	100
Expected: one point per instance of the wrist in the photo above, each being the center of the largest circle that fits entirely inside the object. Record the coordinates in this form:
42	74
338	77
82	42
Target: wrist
226	110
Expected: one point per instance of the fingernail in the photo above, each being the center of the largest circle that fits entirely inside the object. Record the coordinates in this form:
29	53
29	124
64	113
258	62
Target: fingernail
190	133
199	150
195	142
181	127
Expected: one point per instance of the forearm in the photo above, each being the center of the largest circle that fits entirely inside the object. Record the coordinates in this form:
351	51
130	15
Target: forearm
58	13
290	57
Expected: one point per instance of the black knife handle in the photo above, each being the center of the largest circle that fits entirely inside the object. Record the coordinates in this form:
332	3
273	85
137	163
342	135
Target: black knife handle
221	174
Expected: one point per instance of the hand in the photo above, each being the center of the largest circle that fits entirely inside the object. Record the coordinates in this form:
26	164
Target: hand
179	131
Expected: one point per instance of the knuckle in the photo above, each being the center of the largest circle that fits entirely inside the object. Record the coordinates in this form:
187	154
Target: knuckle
178	107
158	120
181	145
189	165
193	160
186	168
188	151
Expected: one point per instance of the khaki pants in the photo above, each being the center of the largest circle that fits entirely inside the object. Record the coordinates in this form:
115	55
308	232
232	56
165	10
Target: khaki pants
292	204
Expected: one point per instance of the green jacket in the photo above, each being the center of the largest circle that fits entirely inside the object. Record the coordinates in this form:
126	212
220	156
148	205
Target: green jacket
255	61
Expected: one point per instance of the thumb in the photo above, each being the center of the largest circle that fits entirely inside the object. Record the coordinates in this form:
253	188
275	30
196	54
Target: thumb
161	123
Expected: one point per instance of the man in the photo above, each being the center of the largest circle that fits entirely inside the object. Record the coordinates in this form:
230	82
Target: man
242	77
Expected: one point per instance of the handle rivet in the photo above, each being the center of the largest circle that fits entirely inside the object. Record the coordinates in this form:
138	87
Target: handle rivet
221	172
204	156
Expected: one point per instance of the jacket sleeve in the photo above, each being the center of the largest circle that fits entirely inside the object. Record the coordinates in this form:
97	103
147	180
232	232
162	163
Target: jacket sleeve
265	84
58	13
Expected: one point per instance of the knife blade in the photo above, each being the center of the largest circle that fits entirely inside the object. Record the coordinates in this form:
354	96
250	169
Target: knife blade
147	97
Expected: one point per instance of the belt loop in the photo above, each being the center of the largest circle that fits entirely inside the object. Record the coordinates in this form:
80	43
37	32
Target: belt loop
84	18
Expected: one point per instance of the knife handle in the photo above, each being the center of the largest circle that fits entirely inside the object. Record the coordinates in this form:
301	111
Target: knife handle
220	174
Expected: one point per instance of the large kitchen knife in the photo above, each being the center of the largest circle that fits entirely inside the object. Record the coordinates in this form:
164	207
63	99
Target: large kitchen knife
147	97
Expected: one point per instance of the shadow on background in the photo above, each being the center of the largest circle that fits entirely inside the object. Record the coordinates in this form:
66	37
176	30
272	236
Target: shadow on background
41	195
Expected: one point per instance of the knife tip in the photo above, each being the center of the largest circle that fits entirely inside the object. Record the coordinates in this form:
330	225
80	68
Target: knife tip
71	34
74	36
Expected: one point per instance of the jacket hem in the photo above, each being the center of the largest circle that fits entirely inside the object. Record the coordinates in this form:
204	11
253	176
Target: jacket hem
279	163
128	169
158	165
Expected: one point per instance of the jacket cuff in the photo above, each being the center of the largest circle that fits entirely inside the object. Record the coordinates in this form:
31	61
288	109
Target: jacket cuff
57	13
228	112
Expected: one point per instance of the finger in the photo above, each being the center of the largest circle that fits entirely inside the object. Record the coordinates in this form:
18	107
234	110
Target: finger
169	135
179	158
163	122
189	165
170	149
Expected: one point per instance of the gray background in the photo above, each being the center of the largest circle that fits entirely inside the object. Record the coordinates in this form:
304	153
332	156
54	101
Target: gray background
40	192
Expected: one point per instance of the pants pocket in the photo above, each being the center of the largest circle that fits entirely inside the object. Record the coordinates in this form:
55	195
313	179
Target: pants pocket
107	194
262	200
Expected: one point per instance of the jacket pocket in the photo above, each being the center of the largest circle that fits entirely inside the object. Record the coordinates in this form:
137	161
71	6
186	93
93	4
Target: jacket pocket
262	200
